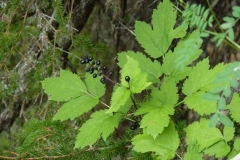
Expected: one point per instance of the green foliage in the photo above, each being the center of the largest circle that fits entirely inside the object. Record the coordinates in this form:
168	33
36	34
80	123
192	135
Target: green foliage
198	16
156	39
100	124
204	90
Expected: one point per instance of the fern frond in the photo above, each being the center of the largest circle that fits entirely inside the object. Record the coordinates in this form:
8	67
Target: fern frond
198	16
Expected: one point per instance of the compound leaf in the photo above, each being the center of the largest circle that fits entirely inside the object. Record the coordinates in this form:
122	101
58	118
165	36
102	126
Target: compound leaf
94	86
204	136
157	40
203	76
161	146
228	133
76	107
138	79
192	152
119	97
101	124
234	107
65	87
153	70
201	106
219	149
156	120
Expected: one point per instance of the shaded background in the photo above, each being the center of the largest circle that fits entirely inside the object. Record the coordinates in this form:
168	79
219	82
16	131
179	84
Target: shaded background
39	38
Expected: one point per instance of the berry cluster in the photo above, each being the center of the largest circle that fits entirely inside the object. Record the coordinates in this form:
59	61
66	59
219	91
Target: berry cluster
94	68
135	125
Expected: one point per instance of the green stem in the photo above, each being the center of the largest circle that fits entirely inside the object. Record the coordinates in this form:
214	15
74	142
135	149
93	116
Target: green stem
210	7
178	103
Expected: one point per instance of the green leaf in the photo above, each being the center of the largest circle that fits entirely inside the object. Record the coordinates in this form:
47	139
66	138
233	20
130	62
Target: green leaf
236	11
65	87
169	69
145	143
231	33
234	107
192	152
101	124
153	71
76	107
226	121
237	144
138	79
227	92
228	133
219	149
157	40
213	120
211	97
156	120
168	93
221	103
204	135
198	104
94	86
119	97
187	50
203	76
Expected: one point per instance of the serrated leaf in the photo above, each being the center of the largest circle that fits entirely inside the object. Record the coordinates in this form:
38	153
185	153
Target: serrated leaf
119	97
198	104
219	149
187	50
204	136
226	121
76	107
94	86
234	107
154	70
65	87
145	143
138	79
228	133
157	40
156	120
237	144
101	124
169	69
203	76
168	93
192	152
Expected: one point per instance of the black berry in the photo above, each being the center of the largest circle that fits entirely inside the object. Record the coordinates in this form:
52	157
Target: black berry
98	63
94	75
133	127
93	62
127	78
82	61
91	71
103	68
102	80
86	60
90	59
99	73
136	124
